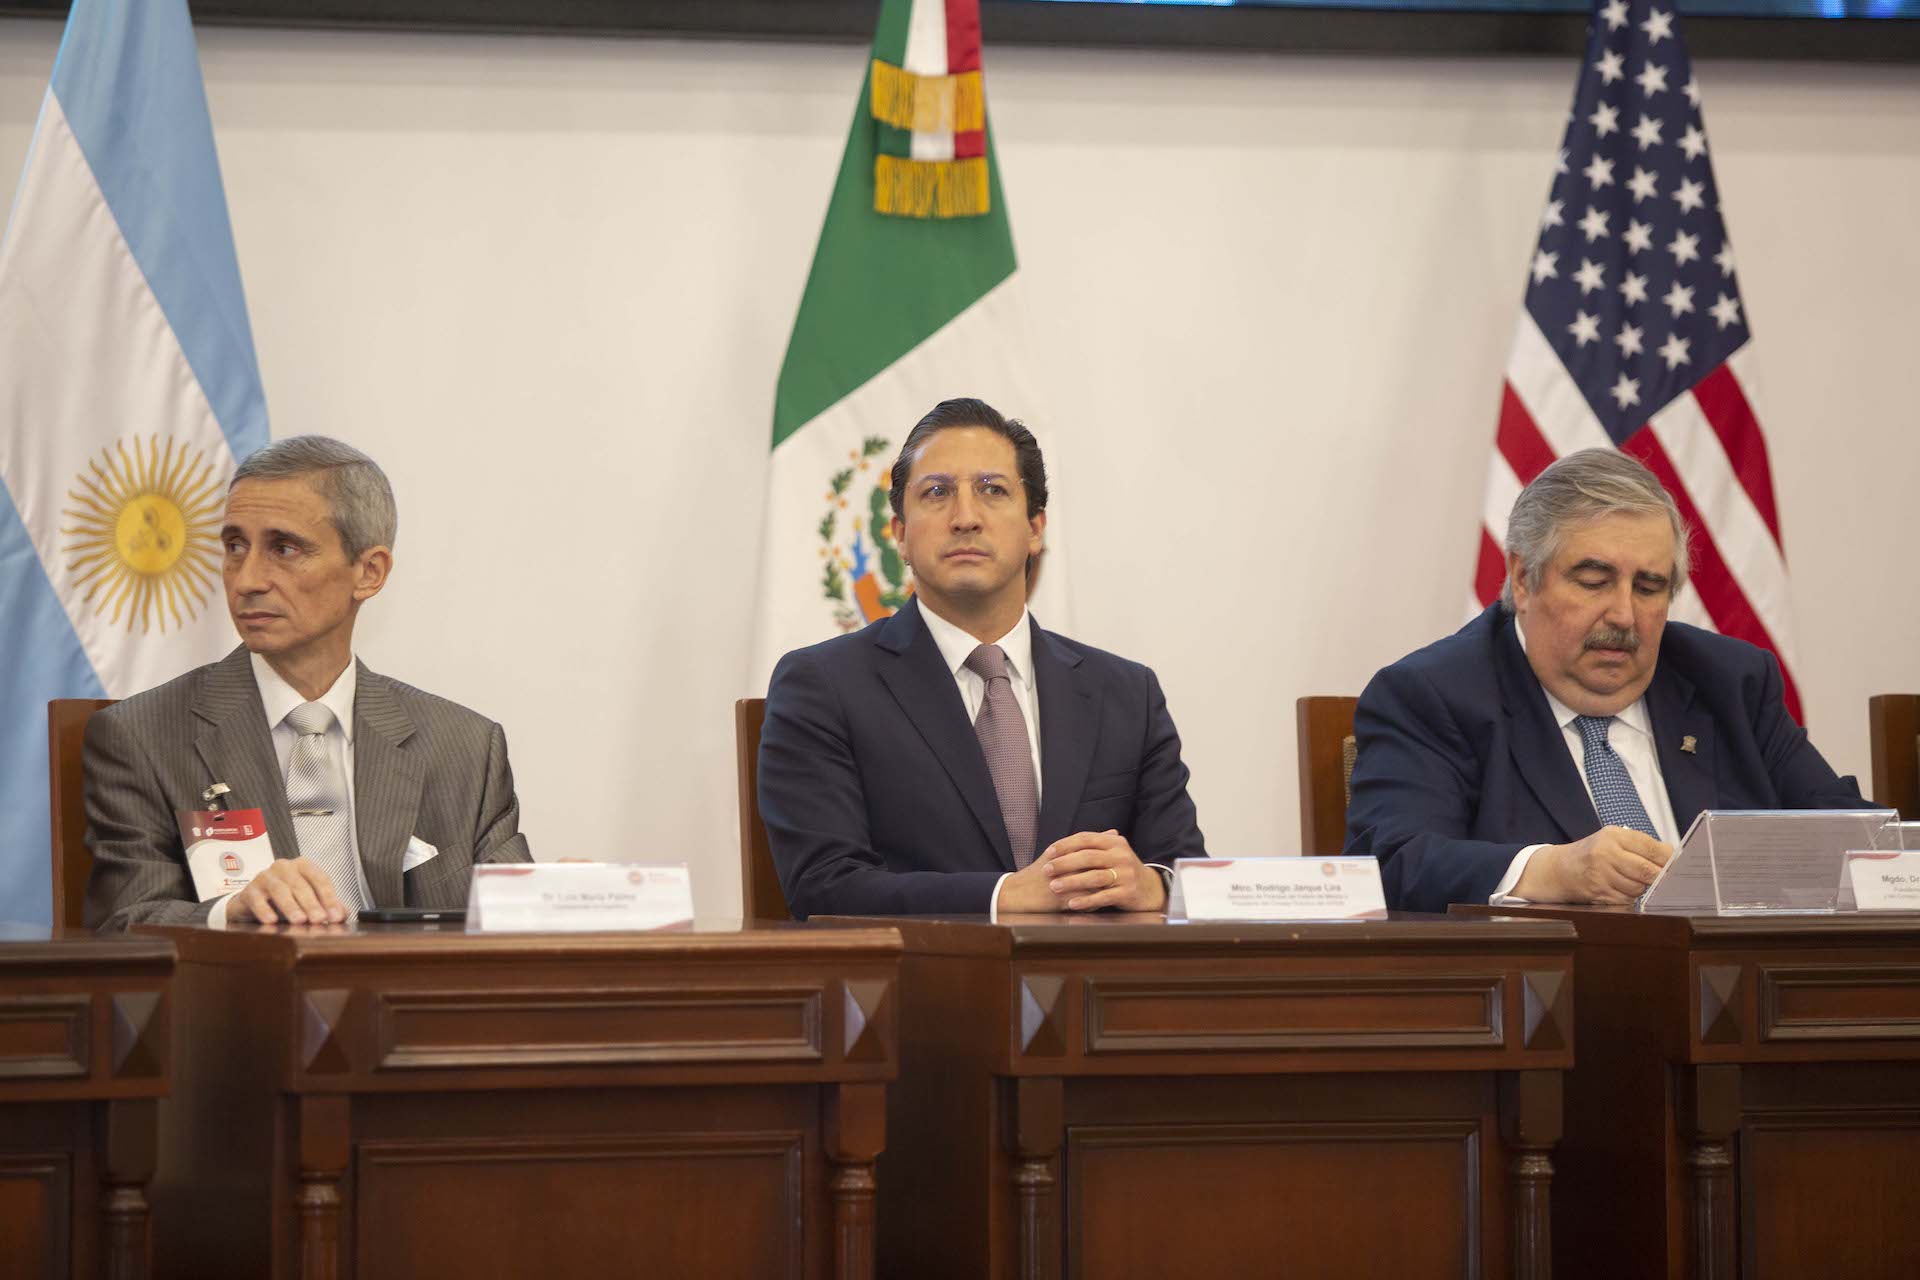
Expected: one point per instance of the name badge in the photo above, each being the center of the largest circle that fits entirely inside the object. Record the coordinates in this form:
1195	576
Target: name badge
225	848
1281	888
1884	881
579	897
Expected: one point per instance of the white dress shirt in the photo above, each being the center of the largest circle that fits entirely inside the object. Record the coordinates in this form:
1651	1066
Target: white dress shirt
956	646
280	698
1631	737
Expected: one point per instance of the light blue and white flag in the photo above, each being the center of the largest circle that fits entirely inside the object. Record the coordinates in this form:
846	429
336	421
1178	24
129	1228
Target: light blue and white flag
128	387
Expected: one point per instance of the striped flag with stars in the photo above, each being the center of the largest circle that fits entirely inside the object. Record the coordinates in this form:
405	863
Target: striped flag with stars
1633	335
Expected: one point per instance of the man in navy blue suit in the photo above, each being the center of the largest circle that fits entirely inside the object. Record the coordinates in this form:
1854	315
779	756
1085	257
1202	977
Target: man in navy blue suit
955	757
1558	746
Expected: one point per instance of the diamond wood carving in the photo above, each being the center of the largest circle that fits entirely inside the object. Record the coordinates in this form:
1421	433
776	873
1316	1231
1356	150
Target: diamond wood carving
1720	1004
140	1025
1041	1013
869	1018
322	1013
1544	1015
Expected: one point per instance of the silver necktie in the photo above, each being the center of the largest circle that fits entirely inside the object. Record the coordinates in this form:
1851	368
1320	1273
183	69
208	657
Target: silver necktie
317	794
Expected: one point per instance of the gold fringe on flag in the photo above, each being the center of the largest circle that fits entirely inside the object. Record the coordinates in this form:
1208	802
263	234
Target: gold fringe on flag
927	104
930	188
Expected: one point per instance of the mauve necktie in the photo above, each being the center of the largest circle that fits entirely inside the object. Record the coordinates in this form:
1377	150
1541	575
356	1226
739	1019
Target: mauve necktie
1002	732
1614	796
317	794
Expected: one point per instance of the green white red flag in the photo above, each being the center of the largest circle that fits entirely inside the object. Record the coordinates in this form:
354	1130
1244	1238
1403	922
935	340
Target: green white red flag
913	299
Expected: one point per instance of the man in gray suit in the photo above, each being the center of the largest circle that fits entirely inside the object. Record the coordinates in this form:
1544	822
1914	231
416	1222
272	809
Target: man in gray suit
374	793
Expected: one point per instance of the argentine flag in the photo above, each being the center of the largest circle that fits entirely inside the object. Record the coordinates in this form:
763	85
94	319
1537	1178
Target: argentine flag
128	387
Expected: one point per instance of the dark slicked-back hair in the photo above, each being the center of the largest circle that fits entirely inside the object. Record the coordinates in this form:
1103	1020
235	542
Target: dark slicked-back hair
968	412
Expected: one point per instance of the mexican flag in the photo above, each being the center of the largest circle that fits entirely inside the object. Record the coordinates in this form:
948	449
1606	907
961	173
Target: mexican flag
913	299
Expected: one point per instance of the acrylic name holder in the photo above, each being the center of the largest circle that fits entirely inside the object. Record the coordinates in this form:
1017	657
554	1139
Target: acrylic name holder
579	897
1279	889
1770	861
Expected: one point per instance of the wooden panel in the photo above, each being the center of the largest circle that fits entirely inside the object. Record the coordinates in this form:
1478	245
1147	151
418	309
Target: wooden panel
1159	1015
1893	726
1830	1195
547	1028
761	897
663	1205
1323	723
1839	1002
35	1191
44	1036
66	784
1361	1199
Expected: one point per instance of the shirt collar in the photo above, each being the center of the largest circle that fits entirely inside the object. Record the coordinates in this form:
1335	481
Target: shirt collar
1633	716
279	697
956	646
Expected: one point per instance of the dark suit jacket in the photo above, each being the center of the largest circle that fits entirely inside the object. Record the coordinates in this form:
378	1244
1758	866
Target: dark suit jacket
422	766
1461	765
876	796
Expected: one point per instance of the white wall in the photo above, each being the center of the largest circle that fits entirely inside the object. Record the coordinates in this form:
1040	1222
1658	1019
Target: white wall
548	283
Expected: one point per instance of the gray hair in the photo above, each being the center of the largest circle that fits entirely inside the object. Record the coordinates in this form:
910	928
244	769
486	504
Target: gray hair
1582	487
359	499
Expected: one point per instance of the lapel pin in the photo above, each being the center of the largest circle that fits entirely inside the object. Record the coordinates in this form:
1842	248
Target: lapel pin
1687	744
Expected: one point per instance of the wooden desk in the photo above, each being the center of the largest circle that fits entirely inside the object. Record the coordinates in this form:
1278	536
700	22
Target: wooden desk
412	1101
84	1031
1114	1096
1747	1099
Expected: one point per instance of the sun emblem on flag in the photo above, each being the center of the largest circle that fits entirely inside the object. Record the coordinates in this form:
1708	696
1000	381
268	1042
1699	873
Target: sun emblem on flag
144	533
862	574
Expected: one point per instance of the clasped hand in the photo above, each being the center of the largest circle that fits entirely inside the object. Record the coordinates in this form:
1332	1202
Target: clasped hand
1084	872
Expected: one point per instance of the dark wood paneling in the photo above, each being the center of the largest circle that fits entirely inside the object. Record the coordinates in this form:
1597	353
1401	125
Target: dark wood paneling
1418	1214
1859	1223
703	1103
1201	1015
85	1049
441	1029
35	1191
1838	1002
45	1036
1114	1096
1746	1101
665	1204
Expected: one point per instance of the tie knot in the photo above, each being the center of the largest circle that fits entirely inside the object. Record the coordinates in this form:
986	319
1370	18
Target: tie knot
989	662
1593	730
310	717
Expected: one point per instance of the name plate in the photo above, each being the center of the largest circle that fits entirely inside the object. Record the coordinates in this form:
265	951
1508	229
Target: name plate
1281	888
579	897
1884	881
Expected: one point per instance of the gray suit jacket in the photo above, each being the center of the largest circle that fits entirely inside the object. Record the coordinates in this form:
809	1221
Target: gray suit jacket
422	766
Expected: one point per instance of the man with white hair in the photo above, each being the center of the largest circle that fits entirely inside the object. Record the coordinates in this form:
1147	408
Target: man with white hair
373	793
1558	746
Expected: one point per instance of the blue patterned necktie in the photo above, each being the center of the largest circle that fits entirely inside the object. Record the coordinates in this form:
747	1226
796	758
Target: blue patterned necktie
1614	797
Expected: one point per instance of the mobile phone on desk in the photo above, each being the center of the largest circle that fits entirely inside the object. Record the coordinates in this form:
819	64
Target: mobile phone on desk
412	915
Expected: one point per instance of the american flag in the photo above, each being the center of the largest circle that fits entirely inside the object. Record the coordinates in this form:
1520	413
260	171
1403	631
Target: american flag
1634	337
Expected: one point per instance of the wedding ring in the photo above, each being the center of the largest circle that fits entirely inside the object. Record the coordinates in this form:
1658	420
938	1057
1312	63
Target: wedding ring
1116	877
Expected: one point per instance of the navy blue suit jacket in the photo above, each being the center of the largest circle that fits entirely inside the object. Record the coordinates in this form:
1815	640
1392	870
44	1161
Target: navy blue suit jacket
1461	765
876	796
